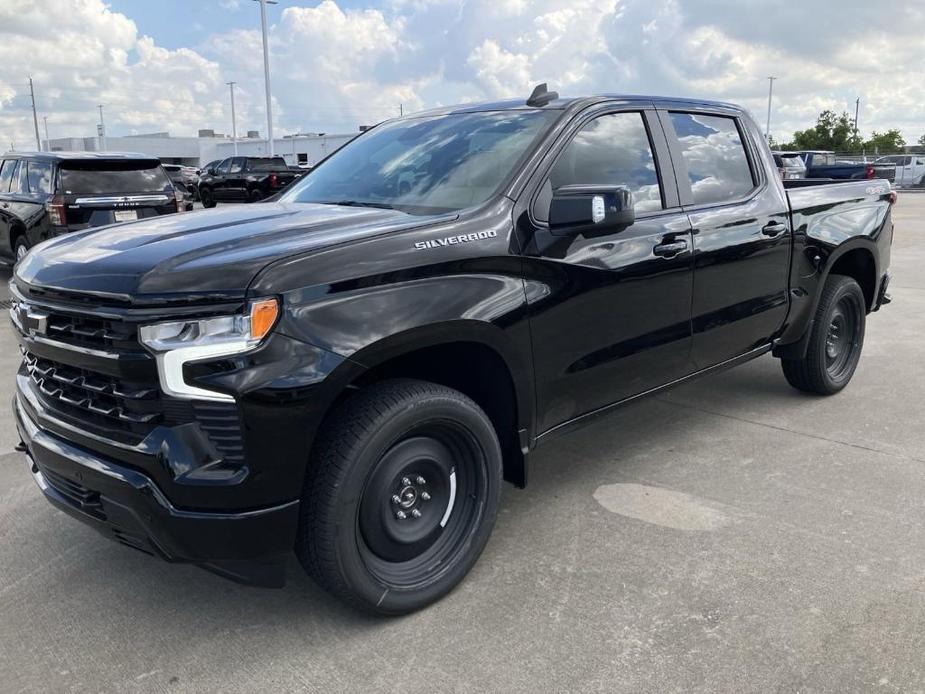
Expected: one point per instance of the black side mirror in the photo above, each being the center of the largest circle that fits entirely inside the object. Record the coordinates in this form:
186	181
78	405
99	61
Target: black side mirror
577	208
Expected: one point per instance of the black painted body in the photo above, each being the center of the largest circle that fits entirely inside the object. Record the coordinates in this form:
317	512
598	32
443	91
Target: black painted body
574	324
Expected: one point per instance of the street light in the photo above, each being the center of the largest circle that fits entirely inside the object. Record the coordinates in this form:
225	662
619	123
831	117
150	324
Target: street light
266	69
767	130
234	124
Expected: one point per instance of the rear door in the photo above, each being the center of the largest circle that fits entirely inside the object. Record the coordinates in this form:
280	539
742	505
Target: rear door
96	192
7	170
610	310
235	180
741	231
219	181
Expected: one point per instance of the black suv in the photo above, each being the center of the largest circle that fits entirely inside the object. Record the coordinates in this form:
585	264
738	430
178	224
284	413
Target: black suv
244	179
45	194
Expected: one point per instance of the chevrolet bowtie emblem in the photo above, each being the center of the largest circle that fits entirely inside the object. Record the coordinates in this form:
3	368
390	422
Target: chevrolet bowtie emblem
33	321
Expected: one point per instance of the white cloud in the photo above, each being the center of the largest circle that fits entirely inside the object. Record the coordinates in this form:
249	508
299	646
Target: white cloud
334	68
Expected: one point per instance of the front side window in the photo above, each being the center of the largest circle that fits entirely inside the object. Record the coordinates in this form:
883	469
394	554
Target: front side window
717	165
223	167
425	165
6	174
39	175
613	149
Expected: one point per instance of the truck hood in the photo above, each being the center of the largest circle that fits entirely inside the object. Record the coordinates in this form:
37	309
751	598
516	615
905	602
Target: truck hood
209	253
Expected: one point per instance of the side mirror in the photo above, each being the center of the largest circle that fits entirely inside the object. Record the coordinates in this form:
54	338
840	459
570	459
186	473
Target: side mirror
577	208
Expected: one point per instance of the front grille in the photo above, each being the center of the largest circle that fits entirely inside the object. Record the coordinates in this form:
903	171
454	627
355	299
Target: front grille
102	400
113	391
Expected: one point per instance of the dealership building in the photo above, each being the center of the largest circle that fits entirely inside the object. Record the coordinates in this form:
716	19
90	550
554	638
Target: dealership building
308	148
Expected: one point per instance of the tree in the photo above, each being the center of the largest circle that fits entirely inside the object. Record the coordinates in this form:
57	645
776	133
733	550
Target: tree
886	143
922	141
836	133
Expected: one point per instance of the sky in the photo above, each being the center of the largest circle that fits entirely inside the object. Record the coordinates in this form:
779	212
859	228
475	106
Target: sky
162	65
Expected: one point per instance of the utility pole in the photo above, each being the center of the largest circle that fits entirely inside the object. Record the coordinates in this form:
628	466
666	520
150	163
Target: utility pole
266	69
857	106
47	139
401	110
102	130
35	118
767	130
234	123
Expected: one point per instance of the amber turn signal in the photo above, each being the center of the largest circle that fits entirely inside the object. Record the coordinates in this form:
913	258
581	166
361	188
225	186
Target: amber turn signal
263	316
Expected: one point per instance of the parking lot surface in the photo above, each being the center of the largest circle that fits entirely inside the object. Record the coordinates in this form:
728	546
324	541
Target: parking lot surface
731	535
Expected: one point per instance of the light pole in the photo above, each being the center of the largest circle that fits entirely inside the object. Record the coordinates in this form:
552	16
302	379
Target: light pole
35	119
234	123
102	130
266	69
47	139
767	130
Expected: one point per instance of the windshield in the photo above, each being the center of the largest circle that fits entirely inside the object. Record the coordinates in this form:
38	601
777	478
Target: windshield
107	177
425	165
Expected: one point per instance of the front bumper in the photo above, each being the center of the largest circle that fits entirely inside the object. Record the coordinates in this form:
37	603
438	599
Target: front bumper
127	506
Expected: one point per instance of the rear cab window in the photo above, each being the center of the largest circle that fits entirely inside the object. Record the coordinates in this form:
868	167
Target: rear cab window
105	177
718	167
274	164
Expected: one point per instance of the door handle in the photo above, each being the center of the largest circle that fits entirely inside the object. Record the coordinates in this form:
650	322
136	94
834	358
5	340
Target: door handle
670	249
773	228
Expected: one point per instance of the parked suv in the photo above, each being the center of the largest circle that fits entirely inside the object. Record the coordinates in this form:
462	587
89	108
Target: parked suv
244	179
45	194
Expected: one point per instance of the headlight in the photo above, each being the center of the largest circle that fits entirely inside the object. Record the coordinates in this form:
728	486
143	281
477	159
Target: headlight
176	343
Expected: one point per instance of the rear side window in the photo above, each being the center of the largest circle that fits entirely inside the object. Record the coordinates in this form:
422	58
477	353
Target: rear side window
113	177
20	184
237	165
274	164
6	174
613	150
39	175
717	164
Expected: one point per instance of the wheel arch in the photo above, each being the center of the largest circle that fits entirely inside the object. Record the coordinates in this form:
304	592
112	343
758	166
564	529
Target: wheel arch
472	357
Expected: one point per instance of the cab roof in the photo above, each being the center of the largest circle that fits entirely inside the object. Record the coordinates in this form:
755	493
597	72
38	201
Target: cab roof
71	156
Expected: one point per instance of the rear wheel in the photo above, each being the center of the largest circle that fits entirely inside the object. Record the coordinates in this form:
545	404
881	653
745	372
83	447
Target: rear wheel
255	196
21	247
835	342
400	497
207	197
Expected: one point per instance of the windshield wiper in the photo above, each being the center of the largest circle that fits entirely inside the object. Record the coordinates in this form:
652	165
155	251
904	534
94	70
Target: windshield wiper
361	203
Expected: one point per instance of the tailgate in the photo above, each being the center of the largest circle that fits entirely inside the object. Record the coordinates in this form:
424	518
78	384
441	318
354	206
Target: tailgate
92	211
96	192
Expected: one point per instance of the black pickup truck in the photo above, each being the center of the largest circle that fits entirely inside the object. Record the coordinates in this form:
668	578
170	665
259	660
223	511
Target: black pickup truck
823	164
244	179
350	371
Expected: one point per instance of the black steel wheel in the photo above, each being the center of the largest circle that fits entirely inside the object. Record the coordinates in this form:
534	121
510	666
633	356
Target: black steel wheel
401	495
835	342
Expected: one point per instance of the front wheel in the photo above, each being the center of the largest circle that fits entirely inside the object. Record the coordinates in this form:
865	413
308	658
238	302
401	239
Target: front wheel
400	497
835	341
20	248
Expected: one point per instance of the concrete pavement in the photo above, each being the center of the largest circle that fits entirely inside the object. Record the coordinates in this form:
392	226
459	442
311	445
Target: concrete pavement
732	535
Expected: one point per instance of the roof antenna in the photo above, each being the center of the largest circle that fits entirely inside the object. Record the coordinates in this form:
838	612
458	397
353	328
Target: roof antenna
541	96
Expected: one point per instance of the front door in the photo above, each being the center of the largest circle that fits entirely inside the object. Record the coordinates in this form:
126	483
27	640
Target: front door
220	180
610	311
741	229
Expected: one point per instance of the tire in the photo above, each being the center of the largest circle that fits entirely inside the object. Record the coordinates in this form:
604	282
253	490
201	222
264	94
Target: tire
835	342
255	196
20	247
399	448
207	197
